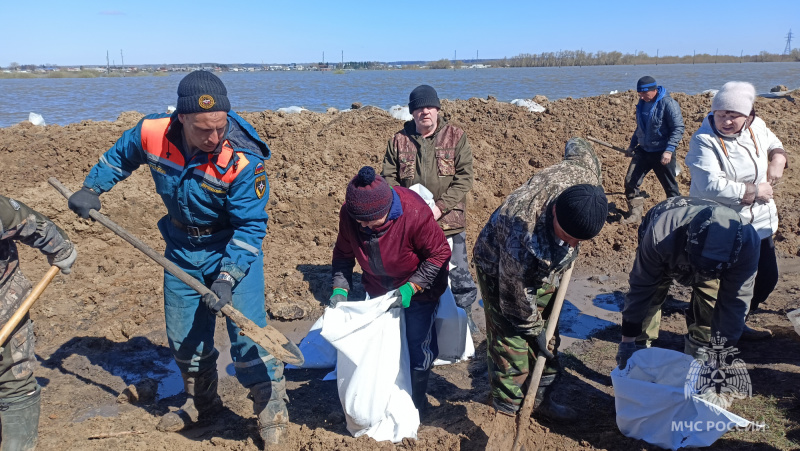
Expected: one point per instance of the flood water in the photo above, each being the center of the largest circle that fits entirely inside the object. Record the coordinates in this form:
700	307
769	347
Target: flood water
63	101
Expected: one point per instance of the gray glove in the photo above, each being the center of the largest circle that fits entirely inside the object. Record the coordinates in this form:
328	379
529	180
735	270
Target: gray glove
624	352
65	264
545	347
220	296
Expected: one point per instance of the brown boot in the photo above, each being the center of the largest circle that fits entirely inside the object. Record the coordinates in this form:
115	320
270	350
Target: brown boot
203	401
269	405
755	333
635	211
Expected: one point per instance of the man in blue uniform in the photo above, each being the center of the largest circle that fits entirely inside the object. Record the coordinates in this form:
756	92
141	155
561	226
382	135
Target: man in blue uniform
208	167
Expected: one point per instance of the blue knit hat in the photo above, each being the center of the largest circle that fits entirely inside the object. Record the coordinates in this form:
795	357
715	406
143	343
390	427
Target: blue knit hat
202	92
368	196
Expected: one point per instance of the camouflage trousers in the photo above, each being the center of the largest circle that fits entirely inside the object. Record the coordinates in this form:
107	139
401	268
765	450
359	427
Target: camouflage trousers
698	316
17	360
510	358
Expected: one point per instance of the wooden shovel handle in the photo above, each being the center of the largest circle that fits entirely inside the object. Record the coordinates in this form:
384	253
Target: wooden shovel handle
26	305
538	369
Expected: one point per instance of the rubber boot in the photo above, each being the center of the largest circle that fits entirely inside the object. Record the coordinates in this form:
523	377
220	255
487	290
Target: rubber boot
203	400
635	211
754	333
545	406
692	346
419	389
269	406
473	328
19	417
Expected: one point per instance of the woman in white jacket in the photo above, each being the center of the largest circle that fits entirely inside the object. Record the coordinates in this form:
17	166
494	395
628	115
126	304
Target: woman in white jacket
736	160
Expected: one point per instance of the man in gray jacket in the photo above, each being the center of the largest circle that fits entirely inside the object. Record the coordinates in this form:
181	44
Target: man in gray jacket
659	130
698	243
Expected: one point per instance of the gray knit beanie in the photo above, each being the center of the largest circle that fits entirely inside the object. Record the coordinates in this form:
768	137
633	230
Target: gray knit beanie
202	92
737	96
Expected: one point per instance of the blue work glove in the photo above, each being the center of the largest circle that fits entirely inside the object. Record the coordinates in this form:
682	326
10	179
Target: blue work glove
220	296
339	295
84	200
624	352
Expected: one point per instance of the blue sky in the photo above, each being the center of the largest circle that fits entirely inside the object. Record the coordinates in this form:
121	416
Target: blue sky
153	32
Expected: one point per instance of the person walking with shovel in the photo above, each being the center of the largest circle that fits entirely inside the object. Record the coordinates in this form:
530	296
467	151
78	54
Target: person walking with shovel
208	168
520	257
20	394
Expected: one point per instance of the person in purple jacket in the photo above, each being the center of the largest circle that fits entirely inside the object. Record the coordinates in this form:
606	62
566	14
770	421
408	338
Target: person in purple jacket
399	246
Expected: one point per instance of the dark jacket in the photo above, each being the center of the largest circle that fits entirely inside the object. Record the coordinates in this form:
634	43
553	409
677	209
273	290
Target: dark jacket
409	247
663	130
441	162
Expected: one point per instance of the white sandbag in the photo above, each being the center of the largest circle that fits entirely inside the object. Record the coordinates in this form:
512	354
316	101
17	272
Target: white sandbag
651	404
291	110
36	119
400	112
426	195
530	105
373	371
317	351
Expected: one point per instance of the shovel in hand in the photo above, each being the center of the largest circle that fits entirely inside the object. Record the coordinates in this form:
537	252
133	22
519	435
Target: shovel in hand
267	337
26	305
500	437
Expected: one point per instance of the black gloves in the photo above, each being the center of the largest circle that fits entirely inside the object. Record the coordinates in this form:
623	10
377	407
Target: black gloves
84	200
222	288
624	352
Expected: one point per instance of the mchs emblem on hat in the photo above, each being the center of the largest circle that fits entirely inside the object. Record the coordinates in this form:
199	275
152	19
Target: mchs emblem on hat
206	101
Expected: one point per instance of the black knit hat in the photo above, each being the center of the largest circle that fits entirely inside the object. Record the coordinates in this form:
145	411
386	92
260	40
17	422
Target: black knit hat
581	211
368	196
646	83
202	92
422	96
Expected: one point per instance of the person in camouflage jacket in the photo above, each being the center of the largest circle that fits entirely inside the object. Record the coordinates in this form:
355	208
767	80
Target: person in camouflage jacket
520	255
19	392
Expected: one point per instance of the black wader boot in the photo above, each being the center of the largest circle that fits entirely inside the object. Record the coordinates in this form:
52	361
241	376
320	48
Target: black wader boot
545	406
419	389
20	421
203	401
269	406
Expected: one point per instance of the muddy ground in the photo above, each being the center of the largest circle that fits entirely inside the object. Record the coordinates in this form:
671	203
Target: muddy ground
102	328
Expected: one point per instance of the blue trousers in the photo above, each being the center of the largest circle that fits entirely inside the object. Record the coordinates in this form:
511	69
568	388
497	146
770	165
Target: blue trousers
421	334
190	325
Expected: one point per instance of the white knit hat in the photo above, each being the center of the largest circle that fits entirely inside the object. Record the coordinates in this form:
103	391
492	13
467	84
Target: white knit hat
735	96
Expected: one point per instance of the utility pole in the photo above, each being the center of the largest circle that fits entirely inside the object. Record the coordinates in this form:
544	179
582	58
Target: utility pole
108	69
635	54
693	54
455	57
656	57
715	56
122	58
342	59
740	56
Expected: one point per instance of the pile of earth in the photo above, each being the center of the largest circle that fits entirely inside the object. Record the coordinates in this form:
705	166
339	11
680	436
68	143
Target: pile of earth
101	328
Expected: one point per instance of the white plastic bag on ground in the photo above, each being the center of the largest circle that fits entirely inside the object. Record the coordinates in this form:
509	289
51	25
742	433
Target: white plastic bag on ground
452	332
36	119
373	370
318	353
651	405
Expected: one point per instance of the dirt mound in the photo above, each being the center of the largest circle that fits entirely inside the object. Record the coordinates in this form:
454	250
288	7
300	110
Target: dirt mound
114	293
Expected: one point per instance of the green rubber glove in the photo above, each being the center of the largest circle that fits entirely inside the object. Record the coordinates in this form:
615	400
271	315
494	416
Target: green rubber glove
406	291
339	295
